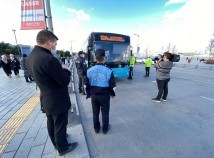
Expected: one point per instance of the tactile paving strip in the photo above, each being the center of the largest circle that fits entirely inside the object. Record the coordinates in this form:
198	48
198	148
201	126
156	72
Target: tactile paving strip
10	128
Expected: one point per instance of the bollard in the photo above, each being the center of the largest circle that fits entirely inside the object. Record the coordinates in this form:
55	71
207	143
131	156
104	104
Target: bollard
196	66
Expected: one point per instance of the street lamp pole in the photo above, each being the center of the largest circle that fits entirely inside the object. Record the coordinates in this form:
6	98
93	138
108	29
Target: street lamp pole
14	31
72	46
137	43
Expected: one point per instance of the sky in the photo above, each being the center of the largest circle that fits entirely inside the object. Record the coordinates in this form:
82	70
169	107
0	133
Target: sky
185	25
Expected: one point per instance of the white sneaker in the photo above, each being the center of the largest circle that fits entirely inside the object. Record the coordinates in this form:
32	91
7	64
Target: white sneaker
163	99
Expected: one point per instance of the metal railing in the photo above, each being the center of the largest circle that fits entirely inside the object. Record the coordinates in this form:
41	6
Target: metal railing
194	66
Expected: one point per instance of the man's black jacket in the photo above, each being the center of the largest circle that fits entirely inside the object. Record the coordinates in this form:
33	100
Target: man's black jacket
51	78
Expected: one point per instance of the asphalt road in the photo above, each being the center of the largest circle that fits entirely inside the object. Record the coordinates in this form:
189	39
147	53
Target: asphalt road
182	127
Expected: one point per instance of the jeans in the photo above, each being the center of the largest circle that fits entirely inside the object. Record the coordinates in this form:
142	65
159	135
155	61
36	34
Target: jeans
162	88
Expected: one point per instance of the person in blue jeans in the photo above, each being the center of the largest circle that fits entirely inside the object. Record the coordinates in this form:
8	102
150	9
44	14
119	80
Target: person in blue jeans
163	67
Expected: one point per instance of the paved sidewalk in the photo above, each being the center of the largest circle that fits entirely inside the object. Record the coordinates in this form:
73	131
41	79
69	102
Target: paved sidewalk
23	131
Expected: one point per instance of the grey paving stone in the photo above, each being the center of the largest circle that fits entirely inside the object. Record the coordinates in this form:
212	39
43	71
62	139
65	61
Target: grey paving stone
8	155
2	107
33	115
36	152
44	123
41	137
25	126
38	120
5	111
32	132
24	148
24	100
15	142
2	122
50	155
49	148
17	107
76	134
8	115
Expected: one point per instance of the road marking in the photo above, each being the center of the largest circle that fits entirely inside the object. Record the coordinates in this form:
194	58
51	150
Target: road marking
192	80
10	128
207	98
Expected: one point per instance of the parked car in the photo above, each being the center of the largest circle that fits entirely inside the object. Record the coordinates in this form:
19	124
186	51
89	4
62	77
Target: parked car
140	59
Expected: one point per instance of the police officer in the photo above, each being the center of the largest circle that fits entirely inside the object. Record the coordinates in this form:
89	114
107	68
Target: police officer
100	86
81	70
131	66
148	64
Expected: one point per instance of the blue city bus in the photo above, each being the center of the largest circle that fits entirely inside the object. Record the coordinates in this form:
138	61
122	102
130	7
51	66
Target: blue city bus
117	50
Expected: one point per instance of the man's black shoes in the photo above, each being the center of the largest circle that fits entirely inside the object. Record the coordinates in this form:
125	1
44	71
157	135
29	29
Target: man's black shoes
106	130
71	147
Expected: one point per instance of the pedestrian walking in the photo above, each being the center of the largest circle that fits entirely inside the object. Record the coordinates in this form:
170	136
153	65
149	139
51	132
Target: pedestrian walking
14	64
5	64
148	64
81	70
131	66
27	76
52	79
67	62
163	66
100	86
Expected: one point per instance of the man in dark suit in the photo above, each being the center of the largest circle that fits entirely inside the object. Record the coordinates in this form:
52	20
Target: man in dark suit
52	79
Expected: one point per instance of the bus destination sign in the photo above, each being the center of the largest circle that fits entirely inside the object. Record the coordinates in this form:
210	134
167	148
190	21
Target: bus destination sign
112	38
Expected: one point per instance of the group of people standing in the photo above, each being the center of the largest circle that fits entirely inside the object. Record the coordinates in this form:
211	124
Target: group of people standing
163	65
53	77
13	64
10	64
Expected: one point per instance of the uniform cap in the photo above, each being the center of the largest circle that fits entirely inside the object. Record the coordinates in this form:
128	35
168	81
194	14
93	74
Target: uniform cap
100	53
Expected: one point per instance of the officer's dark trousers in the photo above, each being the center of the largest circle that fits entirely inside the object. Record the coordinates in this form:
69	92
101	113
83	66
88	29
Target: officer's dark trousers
131	72
57	127
147	71
101	102
81	82
162	88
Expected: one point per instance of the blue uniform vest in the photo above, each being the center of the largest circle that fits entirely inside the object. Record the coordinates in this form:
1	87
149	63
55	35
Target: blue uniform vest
99	76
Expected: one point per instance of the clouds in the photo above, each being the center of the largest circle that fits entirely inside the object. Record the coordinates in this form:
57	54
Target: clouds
72	30
170	2
79	15
188	28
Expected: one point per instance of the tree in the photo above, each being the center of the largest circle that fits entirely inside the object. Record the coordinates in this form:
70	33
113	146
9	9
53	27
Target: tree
7	48
63	54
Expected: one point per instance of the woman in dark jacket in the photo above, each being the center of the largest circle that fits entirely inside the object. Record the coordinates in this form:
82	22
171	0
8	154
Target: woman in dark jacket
24	68
14	64
5	64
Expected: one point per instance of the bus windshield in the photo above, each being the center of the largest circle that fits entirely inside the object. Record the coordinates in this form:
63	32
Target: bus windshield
114	51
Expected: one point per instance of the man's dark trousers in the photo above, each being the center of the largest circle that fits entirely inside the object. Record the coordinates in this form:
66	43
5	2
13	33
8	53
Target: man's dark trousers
102	102
147	71
162	88
81	81
57	130
130	72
